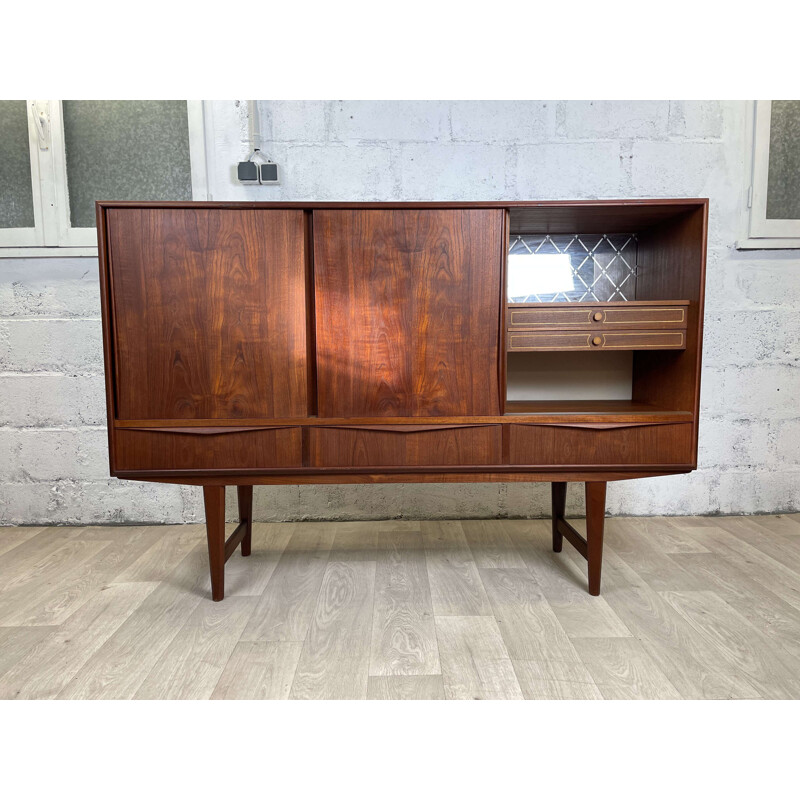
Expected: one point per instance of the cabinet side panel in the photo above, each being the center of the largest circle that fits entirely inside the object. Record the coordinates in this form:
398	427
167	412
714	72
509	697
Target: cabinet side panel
672	267
408	311
210	312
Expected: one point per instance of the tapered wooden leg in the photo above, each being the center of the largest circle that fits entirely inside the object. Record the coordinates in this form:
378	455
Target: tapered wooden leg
246	516
595	521
214	499
559	495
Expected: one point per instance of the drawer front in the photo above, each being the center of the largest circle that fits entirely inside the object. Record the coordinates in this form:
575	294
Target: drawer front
554	445
596	340
188	450
405	446
597	317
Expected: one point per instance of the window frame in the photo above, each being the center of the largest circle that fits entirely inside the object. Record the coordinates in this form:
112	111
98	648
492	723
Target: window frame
760	232
52	234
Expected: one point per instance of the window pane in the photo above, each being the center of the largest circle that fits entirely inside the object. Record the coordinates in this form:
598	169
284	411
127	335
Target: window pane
16	198
783	181
125	150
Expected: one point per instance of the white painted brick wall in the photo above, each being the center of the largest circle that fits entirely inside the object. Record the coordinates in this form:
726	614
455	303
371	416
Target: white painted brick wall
53	457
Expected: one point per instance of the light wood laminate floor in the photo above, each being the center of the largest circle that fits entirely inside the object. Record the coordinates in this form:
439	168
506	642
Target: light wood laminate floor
691	608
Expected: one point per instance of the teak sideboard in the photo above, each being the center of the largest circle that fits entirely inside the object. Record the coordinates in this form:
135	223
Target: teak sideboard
296	343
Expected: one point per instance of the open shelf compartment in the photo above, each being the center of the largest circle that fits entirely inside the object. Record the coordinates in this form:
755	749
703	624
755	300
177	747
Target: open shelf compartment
602	316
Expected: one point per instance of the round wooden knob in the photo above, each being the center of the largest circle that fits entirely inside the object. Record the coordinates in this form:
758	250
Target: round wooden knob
597	341
597	316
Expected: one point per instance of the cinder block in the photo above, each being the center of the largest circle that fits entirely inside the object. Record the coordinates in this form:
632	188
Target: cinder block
684	169
388	120
696	119
733	443
532	500
9	454
787	443
712	391
502	121
744	337
378	501
450	500
760	281
49	287
86	503
63	345
45	400
722	298
568	170
767	491
270	504
670	495
46	454
763	390
615	119
355	172
294	120
451	172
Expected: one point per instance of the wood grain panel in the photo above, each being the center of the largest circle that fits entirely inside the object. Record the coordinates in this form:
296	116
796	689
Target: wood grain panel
475	661
403	632
642	444
191	289
387	446
534	341
589	316
272	447
405	687
259	671
596	216
555	680
455	584
334	663
674	379
286	607
195	660
623	670
408	310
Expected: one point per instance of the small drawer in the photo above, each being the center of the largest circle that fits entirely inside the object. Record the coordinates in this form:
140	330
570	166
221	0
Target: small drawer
596	340
405	445
622	445
569	316
207	448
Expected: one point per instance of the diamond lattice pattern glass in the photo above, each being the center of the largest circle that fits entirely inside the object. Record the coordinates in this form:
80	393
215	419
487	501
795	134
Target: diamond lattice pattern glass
572	268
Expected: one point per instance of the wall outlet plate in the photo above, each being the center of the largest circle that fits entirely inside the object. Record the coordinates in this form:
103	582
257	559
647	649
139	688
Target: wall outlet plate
268	173
247	172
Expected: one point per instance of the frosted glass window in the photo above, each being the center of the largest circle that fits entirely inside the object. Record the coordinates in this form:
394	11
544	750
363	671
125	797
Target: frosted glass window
783	183
125	150
16	195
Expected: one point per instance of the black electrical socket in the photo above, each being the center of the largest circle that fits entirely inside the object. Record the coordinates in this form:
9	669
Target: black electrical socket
247	172
269	173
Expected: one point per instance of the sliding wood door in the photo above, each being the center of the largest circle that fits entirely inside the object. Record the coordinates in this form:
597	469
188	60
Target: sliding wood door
407	312
209	312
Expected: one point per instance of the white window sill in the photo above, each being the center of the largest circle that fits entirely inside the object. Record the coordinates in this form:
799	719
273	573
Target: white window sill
768	244
47	252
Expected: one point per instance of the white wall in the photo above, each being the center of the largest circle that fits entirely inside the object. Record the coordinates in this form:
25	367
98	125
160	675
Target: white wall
53	460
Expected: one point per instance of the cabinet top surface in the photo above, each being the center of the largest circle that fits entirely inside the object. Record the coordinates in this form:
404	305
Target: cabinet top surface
681	203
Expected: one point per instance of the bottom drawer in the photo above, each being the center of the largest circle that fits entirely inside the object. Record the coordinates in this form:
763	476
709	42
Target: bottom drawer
405	445
230	448
559	445
596	340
